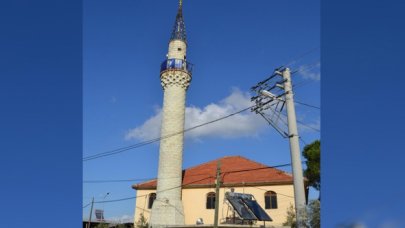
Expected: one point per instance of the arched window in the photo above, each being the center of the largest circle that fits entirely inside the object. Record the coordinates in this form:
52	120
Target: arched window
210	200
152	198
270	200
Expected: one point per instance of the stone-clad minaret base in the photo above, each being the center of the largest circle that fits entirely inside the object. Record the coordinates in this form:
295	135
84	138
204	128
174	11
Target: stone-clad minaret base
167	214
167	208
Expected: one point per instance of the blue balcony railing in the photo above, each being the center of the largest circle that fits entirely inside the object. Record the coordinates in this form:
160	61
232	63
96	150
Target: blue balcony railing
176	64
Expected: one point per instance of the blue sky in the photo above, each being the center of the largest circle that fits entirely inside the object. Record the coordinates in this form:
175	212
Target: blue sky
124	43
233	44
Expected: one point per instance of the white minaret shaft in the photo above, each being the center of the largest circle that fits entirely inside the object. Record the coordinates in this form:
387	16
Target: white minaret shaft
175	78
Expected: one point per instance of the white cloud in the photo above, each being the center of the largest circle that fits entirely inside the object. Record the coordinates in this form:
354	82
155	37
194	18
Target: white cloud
113	99
121	219
246	124
391	224
307	73
358	225
150	128
352	225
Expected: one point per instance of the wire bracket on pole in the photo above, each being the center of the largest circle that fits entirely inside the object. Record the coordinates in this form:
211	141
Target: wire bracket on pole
270	101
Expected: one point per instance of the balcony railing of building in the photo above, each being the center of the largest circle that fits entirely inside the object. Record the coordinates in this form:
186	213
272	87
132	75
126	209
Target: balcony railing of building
177	64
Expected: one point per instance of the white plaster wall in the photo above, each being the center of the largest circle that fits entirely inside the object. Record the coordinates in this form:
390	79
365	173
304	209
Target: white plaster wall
141	204
194	203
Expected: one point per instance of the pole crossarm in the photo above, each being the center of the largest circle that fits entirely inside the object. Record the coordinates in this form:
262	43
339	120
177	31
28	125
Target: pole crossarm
270	96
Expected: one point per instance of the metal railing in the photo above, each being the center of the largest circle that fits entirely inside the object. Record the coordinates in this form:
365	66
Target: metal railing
176	64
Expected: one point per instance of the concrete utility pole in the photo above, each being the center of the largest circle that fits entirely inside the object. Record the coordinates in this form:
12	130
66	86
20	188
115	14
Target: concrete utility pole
218	183
266	100
91	212
299	191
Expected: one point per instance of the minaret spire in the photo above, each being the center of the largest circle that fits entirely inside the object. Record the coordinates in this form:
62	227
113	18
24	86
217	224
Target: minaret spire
179	28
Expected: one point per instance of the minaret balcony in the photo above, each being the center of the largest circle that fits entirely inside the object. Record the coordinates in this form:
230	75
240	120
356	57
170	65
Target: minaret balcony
177	64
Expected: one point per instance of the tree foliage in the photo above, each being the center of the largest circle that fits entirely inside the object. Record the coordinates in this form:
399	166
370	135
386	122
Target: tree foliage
142	222
290	218
122	226
312	153
314	214
102	225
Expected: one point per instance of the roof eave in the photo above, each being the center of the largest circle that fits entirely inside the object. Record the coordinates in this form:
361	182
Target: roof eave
239	184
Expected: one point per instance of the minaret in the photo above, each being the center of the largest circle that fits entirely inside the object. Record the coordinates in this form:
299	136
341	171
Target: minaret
175	77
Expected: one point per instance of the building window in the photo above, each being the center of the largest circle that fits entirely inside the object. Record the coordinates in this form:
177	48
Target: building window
270	200
210	200
152	198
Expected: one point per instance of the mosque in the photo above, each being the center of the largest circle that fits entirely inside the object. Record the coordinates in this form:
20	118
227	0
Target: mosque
187	197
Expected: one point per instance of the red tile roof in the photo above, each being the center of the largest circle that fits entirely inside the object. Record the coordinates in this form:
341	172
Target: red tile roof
235	171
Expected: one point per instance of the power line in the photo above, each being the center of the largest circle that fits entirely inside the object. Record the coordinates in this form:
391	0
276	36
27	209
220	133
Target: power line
130	180
308	105
150	179
286	124
120	150
308	126
123	149
143	209
147	142
304	82
303	141
144	143
209	177
265	167
262	83
303	124
117	200
270	190
307	67
301	56
108	181
133	197
227	172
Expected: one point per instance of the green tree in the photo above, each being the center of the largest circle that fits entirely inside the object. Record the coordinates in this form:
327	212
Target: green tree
102	225
121	226
142	222
312	217
312	153
290	218
314	214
